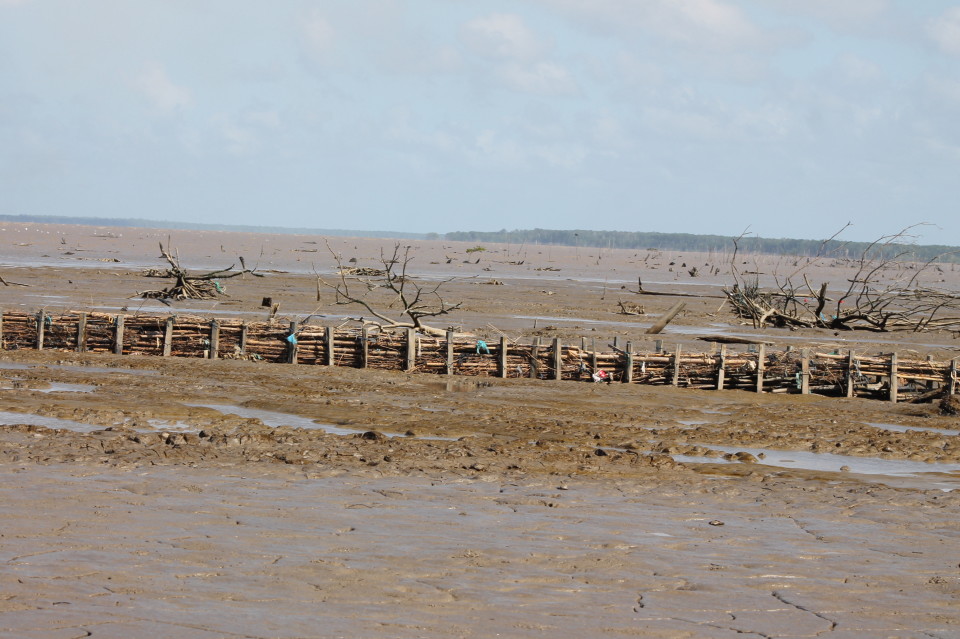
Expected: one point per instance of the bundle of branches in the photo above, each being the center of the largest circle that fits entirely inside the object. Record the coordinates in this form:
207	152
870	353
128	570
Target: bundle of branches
885	293
390	290
203	286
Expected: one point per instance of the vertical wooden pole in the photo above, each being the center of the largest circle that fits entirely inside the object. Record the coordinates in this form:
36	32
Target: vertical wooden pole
676	367
761	365
952	383
894	382
628	364
593	355
449	352
721	366
616	343
292	346
1	330
328	346
557	359
118	336
851	368
168	337
214	338
41	316
364	346
82	333
535	358
243	338
805	371
503	356
658	345
411	350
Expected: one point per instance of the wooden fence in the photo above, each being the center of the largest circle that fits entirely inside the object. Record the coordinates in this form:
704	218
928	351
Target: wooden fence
883	376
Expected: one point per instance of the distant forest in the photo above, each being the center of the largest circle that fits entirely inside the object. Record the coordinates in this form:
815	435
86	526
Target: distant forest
701	243
584	238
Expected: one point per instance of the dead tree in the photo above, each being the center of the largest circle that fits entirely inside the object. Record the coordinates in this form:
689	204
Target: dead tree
885	292
186	286
387	291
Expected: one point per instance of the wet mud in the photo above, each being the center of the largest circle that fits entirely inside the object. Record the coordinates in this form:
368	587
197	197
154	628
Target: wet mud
198	498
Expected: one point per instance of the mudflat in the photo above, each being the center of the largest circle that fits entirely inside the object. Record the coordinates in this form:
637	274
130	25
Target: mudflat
228	498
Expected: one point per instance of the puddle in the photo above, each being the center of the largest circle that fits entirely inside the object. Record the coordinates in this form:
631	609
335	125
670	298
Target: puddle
879	468
906	429
60	387
275	419
103	369
13	366
8	418
162	424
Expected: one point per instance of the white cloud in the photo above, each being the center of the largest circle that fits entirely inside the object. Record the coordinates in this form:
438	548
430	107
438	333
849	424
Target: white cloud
319	38
503	36
541	78
710	25
843	14
945	31
163	93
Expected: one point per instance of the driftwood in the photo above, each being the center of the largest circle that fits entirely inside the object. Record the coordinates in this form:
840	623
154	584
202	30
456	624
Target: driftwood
186	286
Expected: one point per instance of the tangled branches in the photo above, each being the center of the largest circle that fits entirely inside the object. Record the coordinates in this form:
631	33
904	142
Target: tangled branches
205	286
884	293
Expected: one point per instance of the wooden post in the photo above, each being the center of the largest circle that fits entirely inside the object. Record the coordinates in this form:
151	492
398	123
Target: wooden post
952	383
628	364
667	317
616	343
411	350
364	346
658	345
292	346
503	356
761	364
593	355
41	316
557	359
851	380
449	352
721	366
1	330
214	338
82	333
805	371
118	336
535	358
168	337
328	347
243	338
676	367
894	382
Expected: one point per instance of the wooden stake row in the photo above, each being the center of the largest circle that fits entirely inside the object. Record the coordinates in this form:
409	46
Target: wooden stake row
803	371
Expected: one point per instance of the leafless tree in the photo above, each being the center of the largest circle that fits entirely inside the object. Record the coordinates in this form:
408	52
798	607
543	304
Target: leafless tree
885	292
203	286
390	290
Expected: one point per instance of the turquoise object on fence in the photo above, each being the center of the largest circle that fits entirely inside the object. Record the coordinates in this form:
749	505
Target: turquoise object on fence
482	347
292	339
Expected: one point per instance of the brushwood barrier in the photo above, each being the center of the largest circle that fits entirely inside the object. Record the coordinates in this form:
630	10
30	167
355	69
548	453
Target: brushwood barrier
805	370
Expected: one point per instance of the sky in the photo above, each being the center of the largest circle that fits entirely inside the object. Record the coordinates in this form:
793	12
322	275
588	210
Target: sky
782	118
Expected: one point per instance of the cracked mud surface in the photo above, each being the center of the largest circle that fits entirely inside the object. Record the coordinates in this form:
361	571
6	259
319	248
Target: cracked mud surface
464	507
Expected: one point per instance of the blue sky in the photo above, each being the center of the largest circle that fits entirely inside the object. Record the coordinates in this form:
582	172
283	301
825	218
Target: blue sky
790	117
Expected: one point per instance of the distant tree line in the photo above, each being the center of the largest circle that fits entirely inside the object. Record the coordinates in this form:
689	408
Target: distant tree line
639	240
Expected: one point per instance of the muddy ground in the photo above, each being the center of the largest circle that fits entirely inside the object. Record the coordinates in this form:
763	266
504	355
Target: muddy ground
315	502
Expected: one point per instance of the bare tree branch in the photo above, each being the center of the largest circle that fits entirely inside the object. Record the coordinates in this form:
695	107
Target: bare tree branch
411	301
